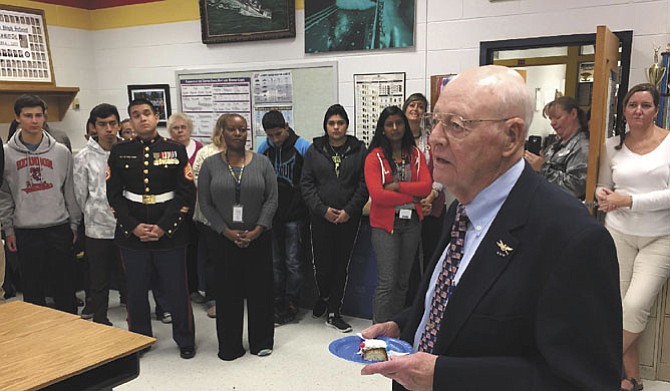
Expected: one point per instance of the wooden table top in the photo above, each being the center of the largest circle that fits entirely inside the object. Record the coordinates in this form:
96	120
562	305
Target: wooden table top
40	346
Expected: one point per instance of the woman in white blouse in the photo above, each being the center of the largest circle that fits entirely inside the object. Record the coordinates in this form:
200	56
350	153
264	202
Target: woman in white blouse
634	190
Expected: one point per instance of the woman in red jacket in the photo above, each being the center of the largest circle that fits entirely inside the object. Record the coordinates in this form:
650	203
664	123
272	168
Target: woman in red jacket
397	178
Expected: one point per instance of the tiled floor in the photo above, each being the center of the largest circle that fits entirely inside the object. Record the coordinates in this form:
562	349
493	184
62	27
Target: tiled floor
300	361
656	386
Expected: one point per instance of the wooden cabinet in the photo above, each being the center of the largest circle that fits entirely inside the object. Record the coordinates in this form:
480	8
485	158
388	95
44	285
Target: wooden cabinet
58	99
655	340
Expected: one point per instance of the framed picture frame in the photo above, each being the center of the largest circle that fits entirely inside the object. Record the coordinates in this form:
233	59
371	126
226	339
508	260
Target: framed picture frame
336	26
25	56
225	21
437	83
158	94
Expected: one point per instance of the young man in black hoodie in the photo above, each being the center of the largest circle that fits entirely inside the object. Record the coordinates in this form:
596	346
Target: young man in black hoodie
286	151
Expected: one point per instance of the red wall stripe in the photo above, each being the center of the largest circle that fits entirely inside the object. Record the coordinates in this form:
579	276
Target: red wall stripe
95	4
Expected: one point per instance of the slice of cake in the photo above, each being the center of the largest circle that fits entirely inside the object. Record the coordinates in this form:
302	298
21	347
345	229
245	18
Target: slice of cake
373	350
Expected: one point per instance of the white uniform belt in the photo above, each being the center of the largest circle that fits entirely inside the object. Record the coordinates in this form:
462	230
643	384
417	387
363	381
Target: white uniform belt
148	199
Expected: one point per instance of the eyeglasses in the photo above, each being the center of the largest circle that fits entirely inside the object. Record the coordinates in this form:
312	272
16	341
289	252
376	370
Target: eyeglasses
454	125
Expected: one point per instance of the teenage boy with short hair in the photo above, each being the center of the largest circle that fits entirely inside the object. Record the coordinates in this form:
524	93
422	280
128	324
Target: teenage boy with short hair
38	210
286	151
90	167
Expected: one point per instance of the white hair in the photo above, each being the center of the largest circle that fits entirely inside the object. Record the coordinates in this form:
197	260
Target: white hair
509	87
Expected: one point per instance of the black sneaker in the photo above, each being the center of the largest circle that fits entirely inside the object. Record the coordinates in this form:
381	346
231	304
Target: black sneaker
165	317
279	311
197	298
292	308
87	312
320	308
280	318
336	322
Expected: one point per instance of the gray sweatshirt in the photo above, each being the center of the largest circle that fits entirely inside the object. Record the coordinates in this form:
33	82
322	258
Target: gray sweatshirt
90	189
38	190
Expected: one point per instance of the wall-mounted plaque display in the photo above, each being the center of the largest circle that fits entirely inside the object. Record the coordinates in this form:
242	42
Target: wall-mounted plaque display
24	46
372	94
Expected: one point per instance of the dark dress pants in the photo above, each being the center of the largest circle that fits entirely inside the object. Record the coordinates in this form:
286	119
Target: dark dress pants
192	258
243	273
208	239
170	268
332	245
103	258
46	257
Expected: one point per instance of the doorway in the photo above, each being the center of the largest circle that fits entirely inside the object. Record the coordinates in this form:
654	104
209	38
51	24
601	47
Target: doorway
557	65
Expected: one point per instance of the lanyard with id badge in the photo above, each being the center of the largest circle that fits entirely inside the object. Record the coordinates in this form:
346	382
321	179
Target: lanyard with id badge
238	209
404	211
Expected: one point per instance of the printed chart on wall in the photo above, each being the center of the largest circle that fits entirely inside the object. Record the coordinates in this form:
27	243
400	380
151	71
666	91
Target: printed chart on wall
372	94
24	47
273	90
204	100
302	92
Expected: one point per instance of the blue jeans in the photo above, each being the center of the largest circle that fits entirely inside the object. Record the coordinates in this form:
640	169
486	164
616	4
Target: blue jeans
286	258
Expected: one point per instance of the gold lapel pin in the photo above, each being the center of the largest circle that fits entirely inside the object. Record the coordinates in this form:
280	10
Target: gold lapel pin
504	249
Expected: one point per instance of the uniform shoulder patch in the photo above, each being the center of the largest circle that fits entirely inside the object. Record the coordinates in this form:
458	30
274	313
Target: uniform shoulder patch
188	172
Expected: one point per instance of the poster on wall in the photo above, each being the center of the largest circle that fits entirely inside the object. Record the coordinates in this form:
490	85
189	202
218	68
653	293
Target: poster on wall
205	100
157	94
272	90
372	94
342	25
437	84
24	46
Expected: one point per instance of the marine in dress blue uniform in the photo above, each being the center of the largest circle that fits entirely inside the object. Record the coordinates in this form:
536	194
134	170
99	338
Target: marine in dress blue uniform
150	188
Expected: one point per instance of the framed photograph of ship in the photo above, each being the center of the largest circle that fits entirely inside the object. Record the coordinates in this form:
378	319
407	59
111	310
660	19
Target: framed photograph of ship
158	94
246	20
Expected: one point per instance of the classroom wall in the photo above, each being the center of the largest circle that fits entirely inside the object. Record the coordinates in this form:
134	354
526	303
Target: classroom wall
103	61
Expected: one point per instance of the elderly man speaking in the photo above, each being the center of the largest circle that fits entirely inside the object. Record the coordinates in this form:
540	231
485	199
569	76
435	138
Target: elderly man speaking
523	291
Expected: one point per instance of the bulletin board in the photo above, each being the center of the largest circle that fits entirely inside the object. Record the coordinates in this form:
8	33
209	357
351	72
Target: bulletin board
302	92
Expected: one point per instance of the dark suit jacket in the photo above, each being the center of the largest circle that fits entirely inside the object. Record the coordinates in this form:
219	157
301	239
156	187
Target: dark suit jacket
545	315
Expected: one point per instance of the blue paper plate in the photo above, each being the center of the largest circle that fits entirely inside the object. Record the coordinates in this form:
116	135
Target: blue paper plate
347	348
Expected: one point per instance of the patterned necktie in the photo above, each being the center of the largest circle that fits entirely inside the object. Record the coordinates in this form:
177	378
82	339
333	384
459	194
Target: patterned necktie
444	286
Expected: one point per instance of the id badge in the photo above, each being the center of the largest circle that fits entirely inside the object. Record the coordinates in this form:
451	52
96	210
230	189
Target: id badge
405	214
238	213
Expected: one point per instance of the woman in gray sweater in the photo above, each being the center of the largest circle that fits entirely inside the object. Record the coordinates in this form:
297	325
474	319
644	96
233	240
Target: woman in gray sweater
238	196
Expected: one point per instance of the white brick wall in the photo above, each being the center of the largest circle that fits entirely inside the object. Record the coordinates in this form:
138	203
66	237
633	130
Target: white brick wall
448	33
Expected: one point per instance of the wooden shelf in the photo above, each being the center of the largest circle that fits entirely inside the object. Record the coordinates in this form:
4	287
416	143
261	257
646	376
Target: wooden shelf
58	99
